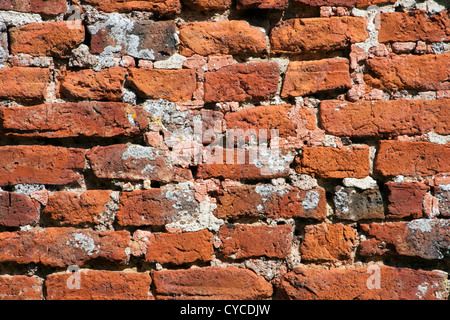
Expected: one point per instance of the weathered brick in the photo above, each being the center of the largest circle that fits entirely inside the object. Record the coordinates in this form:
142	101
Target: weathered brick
375	118
424	238
24	84
246	241
353	204
254	164
172	85
405	199
414	26
40	164
17	209
341	3
160	8
89	119
409	72
211	283
21	288
442	192
135	162
61	247
208	5
356	283
262	4
309	77
411	158
180	248
152	40
46	39
266	118
93	85
239	82
47	7
153	207
235	37
328	242
99	285
296	36
329	162
69	208
265	200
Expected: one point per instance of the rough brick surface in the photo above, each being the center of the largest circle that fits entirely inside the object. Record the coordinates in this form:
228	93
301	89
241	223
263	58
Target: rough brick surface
98	119
17	209
343	3
414	26
405	199
222	37
353	204
238	82
375	118
63	246
44	39
211	283
99	285
21	288
295	36
40	164
309	77
47	7
409	72
350	284
208	5
241	241
262	4
331	162
411	158
160	8
24	84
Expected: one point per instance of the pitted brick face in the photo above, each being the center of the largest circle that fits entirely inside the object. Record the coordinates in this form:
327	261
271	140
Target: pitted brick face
220	149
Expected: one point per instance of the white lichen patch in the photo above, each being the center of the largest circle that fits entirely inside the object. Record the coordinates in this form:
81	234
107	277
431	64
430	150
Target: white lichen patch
423	225
363	184
84	242
311	200
139	152
27	189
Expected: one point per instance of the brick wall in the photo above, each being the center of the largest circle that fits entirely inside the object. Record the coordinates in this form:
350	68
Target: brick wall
224	149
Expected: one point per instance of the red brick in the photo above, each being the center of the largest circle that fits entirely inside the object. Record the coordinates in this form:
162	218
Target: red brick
309	77
266	118
235	37
156	40
89	119
154	206
375	118
47	7
355	283
405	199
93	85
414	26
17	209
329	162
24	84
40	164
354	204
296	36
69	208
46	39
262	4
328	242
246	241
211	283
341	3
424	238
160	8
100	285
257	165
268	201
135	162
61	247
411	158
20	288
409	72
208	5
172	85
239	82
180	248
